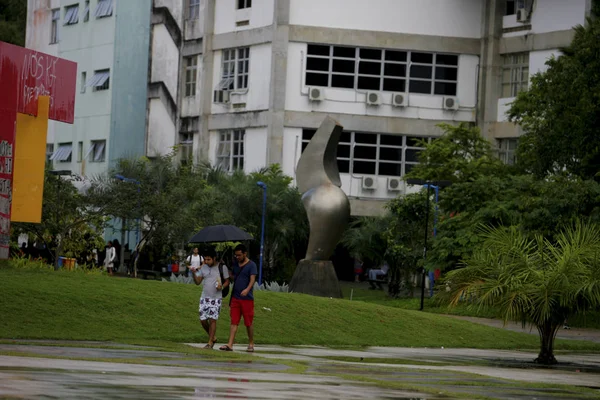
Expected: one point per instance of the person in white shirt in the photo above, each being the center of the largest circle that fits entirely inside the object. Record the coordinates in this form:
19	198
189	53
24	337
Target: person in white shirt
382	271
111	255
195	260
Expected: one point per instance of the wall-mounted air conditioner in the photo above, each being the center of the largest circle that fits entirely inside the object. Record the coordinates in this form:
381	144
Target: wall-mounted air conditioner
450	103
522	15
221	96
369	183
373	98
394	184
399	99
316	94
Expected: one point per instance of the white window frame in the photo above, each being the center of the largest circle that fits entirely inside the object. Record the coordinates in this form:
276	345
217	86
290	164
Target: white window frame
83	81
186	148
49	151
193	9
230	150
389	80
64	153
190	75
71	14
54	27
99	81
235	65
104	9
507	149
79	151
97	151
86	11
241	4
515	74
405	144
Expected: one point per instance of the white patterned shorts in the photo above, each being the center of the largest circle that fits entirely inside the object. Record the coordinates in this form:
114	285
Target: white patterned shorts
209	308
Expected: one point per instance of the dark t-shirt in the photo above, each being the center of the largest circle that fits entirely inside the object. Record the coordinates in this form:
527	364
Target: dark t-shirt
241	280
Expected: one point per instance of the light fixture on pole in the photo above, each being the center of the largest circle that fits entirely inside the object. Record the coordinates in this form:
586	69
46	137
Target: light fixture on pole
262	232
435	185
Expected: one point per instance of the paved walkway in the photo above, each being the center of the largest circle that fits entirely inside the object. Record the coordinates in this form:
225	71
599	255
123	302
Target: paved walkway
592	335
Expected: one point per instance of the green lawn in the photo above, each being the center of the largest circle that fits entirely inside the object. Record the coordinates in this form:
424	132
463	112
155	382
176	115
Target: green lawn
60	305
360	292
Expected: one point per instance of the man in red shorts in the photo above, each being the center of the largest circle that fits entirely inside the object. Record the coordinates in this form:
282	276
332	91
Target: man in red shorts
242	299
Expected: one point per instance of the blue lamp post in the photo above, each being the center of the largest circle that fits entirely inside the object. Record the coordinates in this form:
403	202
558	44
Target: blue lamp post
262	232
129	180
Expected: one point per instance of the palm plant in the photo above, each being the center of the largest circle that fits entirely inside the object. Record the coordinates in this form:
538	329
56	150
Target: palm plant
533	279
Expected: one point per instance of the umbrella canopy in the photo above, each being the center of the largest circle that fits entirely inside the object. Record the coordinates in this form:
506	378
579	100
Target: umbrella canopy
220	233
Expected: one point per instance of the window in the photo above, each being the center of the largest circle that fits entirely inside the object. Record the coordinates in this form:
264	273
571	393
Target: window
186	143
79	151
100	80
507	149
104	9
86	11
63	153
71	14
54	26
381	70
191	72
235	69
230	153
513	5
244	4
83	81
194	9
515	74
49	151
97	151
372	153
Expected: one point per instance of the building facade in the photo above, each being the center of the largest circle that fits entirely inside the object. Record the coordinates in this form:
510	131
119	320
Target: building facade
245	83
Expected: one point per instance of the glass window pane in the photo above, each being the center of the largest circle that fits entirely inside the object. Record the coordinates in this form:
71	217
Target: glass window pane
369	68
408	167
346	52
343	166
390	169
391	55
392	140
369	138
445	88
419	87
364	152
423	58
446	59
415	141
395	70
307	134
367	83
317	64
346	137
347	66
390	154
412	155
364	167
445	73
420	71
394	85
313	79
371	54
342	81
318	50
343	151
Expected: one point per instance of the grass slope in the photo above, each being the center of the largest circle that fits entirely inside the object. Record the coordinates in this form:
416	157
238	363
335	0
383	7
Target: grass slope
59	305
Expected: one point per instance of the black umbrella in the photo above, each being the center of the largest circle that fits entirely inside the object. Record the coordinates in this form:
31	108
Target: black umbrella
220	233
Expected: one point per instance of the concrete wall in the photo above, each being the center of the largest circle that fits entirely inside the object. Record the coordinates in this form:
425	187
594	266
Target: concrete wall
175	7
256	97
350	101
130	80
255	149
549	16
227	16
457	18
161	129
165	60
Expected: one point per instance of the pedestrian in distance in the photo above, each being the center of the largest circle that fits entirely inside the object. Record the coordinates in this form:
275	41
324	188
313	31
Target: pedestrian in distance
216	278
111	256
242	298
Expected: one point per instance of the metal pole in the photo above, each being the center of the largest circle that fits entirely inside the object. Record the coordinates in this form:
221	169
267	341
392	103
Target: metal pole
262	234
435	219
425	249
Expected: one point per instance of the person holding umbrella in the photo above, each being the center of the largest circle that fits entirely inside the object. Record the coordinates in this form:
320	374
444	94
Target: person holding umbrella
212	293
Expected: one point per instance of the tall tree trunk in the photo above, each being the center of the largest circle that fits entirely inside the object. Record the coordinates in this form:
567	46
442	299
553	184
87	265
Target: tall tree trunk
547	333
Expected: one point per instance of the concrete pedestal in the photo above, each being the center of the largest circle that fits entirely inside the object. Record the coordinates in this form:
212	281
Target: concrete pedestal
316	278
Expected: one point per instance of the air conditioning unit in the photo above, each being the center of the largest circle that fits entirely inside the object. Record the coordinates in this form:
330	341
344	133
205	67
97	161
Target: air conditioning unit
394	184
399	100
373	98
369	183
450	103
316	94
522	15
221	96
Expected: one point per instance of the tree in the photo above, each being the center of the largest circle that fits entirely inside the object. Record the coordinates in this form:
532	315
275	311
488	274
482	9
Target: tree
533	279
560	113
13	20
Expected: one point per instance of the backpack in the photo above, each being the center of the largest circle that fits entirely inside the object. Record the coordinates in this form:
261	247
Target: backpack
225	291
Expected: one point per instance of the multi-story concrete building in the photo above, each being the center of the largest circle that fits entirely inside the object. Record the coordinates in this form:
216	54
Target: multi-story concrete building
244	83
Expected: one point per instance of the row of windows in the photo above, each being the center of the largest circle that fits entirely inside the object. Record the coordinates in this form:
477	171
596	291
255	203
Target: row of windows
104	8
194	7
96	152
381	70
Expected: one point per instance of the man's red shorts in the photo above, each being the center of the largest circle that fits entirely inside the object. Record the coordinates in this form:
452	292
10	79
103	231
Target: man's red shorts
241	308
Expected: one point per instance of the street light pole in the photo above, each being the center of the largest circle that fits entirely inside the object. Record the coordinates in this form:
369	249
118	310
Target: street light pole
137	234
262	232
58	174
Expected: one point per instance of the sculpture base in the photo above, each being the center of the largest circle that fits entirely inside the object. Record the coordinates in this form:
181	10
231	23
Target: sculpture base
316	278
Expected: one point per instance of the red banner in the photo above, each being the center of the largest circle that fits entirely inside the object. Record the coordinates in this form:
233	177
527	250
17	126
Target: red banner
24	75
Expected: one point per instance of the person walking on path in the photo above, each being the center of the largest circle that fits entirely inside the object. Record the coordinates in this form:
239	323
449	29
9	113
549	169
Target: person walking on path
194	260
111	255
242	298
212	293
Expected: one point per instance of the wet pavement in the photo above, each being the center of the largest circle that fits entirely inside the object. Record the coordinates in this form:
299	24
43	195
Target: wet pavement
410	373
